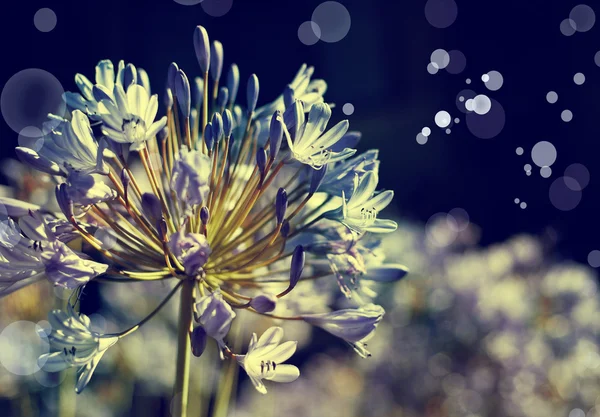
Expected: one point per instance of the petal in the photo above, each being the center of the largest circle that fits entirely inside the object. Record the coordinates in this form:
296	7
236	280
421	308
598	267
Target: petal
258	384
285	373
16	208
364	190
333	135
156	127
386	273
105	74
283	352
339	156
381	200
318	117
53	362
137	99
381	226
269	339
151	110
38	162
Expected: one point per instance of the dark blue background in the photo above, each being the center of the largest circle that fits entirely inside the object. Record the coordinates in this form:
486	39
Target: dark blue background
380	68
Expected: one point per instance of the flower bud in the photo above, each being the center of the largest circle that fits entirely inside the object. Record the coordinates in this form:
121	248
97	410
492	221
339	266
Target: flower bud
198	340
208	136
202	48
168	98
275	134
233	82
182	92
264	303
285	229
261	161
222	98
204	215
151	206
349	140
252	93
172	75
227	123
143	79
216	60
215	315
63	200
217	126
162	134
297	265
198	92
288	96
281	203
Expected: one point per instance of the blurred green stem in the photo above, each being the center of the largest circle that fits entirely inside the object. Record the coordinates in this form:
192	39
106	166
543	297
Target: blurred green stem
228	382
182	376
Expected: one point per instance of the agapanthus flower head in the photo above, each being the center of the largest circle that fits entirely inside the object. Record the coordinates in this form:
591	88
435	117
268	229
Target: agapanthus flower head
209	195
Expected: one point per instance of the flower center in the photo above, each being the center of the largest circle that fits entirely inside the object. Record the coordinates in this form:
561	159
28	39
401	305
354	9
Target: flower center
134	129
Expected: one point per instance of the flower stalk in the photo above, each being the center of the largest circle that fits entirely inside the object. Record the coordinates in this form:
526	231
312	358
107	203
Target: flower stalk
182	375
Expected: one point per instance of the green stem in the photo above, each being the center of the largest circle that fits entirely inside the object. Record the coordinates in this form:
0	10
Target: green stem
182	376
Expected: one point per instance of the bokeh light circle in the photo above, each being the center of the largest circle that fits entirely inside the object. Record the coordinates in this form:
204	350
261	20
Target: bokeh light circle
333	19
348	109
567	27
442	119
519	151
517	200
441	230
551	97
309	33
461	100
527	167
21	346
426	131
461	219
489	125
50	379
582	18
597	58
566	115
545	172
440	58
579	78
495	80
562	196
594	258
523	205
31	137
28	97
579	174
44	19
432	69
482	104
448	131
441	13
188	2
458	62
543	153
216	8
421	139
468	81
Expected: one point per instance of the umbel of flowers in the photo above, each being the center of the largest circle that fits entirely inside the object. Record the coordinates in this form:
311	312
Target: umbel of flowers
238	204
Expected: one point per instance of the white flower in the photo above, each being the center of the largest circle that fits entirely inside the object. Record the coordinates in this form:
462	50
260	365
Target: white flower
310	145
264	359
359	212
75	345
130	117
355	326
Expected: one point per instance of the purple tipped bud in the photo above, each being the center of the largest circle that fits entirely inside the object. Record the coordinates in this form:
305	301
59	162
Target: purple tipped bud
125	178
168	99
204	215
101	93
198	340
162	134
129	76
64	202
222	98
281	203
151	206
288	96
264	303
285	228
182	92
275	134
316	179
198	92
261	161
202	48
233	82
217	126
208	136
227	123
216	60
252	93
297	265
172	75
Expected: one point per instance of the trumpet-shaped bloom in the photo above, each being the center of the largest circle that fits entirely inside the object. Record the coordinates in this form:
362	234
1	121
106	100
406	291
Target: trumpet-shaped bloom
265	357
130	117
215	316
24	261
355	326
311	146
75	344
359	212
341	176
191	249
68	148
86	189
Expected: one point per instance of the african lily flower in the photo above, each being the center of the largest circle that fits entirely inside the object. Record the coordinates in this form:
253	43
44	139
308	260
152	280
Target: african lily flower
224	207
